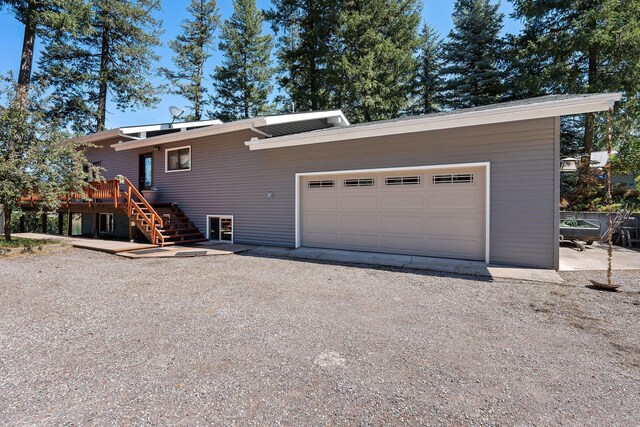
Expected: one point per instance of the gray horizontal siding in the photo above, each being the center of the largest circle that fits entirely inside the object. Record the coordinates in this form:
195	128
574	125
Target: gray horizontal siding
228	179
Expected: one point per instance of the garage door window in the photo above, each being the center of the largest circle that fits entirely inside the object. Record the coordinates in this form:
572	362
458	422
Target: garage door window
460	178
327	183
402	180
359	182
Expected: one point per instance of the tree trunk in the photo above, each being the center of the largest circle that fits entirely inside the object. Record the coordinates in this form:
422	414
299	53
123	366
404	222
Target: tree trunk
590	119
104	80
7	222
26	59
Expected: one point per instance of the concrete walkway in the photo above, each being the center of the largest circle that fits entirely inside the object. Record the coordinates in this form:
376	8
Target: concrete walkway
109	246
198	249
594	258
475	268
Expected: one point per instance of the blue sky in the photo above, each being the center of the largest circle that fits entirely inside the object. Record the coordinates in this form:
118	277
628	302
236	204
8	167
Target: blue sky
436	12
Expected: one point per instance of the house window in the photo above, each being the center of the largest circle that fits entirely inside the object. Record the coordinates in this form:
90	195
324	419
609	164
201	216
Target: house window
359	182
178	159
105	224
459	178
327	183
220	228
402	180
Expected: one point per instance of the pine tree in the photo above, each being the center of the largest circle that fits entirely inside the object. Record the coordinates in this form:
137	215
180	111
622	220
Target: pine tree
428	85
191	52
34	154
378	40
42	19
582	47
306	51
243	81
472	55
23	138
112	63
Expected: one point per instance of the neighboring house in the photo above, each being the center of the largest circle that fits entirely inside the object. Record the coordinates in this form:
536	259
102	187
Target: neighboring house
599	160
477	184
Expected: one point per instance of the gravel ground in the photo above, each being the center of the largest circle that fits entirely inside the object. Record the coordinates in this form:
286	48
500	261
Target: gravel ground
92	339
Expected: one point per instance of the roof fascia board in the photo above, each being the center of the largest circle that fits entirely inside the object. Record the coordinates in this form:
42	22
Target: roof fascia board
164	126
191	134
247	124
542	109
104	135
300	117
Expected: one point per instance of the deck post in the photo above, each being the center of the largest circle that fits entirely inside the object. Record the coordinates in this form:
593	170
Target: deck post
22	224
61	223
69	223
131	230
96	220
43	223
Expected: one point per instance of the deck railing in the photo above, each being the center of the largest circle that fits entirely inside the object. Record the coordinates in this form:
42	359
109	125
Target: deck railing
108	191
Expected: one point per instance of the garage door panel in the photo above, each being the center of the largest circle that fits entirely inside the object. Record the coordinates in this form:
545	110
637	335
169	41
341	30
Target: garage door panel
360	241
449	247
456	224
456	200
402	223
359	222
321	221
394	243
405	201
321	239
322	202
410	216
359	202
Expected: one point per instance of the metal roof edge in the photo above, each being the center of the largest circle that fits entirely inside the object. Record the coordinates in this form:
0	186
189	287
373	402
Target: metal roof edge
578	104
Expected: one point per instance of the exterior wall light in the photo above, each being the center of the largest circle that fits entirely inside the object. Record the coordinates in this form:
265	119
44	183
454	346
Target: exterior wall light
568	164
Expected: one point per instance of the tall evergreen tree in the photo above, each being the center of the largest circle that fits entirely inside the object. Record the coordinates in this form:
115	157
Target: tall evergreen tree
23	138
582	47
42	18
472	55
110	64
243	81
428	85
191	52
378	40
306	50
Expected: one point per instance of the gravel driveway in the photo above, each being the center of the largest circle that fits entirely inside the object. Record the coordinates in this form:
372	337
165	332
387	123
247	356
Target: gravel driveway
92	339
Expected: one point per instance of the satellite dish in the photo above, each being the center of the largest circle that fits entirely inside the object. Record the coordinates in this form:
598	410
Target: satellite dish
175	112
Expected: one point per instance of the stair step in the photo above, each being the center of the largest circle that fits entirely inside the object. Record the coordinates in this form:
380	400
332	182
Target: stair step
177	236
188	242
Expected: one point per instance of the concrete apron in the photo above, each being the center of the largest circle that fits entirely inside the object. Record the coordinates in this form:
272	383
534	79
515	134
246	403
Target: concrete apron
475	268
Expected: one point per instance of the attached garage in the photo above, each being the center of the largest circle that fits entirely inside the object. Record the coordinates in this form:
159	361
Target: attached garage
431	211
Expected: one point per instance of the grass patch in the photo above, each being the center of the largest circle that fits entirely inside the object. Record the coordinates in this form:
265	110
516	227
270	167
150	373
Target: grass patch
20	242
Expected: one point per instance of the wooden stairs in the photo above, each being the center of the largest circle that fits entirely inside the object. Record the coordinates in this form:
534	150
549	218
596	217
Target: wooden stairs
163	224
178	228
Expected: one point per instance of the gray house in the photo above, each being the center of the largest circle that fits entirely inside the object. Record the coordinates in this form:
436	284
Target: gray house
478	184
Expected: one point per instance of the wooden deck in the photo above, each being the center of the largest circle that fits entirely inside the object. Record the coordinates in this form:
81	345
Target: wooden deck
162	224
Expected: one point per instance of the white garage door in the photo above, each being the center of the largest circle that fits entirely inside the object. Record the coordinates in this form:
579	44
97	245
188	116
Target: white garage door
434	212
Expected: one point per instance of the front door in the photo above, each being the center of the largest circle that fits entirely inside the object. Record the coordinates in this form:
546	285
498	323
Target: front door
146	171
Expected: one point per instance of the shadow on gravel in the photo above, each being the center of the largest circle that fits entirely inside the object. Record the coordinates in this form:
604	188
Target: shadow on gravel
419	272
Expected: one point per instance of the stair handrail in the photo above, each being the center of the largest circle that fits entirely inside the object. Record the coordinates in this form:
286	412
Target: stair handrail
151	217
144	201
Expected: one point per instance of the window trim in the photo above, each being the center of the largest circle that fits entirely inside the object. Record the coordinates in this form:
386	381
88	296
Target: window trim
233	228
166	159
